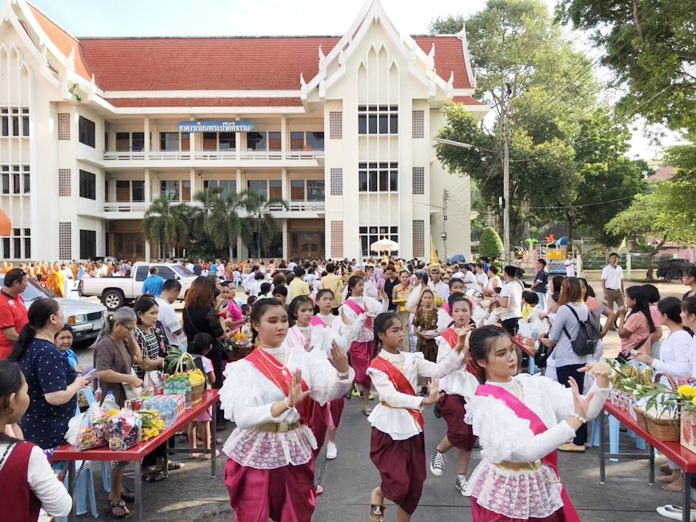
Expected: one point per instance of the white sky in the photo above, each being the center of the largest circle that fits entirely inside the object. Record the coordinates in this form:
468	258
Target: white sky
263	17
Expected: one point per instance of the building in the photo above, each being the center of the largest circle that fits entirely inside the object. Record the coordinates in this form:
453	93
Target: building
340	127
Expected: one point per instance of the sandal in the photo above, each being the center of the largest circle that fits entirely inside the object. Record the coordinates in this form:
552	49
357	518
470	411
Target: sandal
118	509
154	476
173	465
355	393
367	411
376	513
319	490
128	495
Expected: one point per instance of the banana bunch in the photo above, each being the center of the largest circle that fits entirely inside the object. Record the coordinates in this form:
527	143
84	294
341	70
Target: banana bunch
153	424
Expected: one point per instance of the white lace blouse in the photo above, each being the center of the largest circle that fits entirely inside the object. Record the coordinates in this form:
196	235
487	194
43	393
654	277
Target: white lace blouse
505	437
356	323
394	419
459	382
247	396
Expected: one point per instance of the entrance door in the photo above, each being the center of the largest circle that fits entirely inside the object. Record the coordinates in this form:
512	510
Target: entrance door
307	244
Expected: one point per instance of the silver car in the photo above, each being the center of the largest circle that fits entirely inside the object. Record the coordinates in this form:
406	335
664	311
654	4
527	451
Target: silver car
84	318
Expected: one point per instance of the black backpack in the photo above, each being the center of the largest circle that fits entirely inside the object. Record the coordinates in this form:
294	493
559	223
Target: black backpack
587	339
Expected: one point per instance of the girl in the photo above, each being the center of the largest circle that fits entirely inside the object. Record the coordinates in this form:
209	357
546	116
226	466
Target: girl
425	325
689	279
300	315
444	314
201	346
456	387
636	328
597	309
520	420
358	313
397	446
26	479
64	341
399	297
269	473
652	294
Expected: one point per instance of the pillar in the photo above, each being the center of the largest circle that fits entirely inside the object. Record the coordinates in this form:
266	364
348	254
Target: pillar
146	130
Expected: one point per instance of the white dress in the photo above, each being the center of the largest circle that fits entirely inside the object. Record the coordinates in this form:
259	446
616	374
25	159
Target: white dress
506	438
394	419
247	396
356	323
460	381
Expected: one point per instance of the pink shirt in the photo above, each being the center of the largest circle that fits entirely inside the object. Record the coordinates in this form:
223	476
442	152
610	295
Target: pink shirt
637	324
234	310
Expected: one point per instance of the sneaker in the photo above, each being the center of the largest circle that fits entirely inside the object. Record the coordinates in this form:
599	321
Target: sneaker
331	451
674	512
462	486
572	448
437	463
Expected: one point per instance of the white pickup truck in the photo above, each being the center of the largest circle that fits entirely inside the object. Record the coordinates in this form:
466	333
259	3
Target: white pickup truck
116	292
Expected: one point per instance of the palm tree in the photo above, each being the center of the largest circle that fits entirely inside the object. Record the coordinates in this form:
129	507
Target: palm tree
259	221
167	224
221	221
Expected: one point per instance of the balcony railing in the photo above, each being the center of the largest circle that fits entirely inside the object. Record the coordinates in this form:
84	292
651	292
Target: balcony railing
125	206
300	206
213	155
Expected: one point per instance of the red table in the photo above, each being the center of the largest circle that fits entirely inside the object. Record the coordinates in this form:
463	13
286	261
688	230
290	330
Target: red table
674	451
136	454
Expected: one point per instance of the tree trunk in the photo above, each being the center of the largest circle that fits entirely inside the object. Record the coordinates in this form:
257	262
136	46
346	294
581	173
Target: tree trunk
230	251
569	219
258	237
653	250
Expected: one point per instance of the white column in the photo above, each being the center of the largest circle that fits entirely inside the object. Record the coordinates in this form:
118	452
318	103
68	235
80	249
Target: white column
238	145
192	144
146	130
148	254
284	184
239	179
285	239
193	182
148	187
283	136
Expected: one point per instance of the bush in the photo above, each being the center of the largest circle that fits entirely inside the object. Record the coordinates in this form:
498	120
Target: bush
490	245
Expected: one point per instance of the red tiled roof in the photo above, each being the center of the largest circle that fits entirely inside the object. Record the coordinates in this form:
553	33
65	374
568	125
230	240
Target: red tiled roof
467	100
662	174
205	102
449	58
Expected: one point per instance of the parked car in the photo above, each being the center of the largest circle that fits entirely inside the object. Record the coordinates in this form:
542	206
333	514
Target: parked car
669	269
85	318
116	292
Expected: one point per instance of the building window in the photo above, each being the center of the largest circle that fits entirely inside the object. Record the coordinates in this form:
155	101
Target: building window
64	182
228	186
170	141
88	185
378	177
335	125
336	182
260	186
371	234
25	122
138	191
418	181
418	238
378	119
63	126
209	141
275	189
418	129
17	245
88	244
130	141
337	239
123	141
297	190
227	141
176	190
315	190
26	183
128	191
311	140
27	243
263	141
87	132
5	173
5	117
65	240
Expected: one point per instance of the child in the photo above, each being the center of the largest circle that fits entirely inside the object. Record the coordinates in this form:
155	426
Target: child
280	293
399	454
300	315
64	341
26	479
531	309
425	325
200	346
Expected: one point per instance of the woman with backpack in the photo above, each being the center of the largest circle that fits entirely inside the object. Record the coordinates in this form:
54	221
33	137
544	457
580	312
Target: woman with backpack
565	339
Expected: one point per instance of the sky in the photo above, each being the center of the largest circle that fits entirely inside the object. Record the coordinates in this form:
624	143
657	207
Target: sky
260	17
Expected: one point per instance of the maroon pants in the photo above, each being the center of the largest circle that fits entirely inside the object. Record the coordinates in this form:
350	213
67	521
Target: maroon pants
360	357
319	423
284	494
459	433
481	514
336	410
401	465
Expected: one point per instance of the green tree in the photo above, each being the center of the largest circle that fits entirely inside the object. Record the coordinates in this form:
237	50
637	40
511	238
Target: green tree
451	24
491	245
650	45
167	224
222	223
259	228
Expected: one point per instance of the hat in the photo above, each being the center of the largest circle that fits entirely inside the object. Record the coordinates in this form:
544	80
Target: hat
14	276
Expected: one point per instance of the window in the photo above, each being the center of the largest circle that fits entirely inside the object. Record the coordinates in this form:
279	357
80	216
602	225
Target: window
228	186
138	191
369	235
25	122
26	184
88	185
130	191
209	141
169	141
87	132
16	188
315	190
17	245
296	140
274	141
15	122
263	141
312	140
177	190
336	125
138	141
5	173
337	239
6	254
27	243
297	190
123	141
123	190
5	117
275	187
378	119
88	244
418	238
63	126
336	182
64	182
227	140
418	128
418	181
65	240
378	177
260	186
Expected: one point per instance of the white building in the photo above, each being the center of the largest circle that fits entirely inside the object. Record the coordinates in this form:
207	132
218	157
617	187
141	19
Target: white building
342	129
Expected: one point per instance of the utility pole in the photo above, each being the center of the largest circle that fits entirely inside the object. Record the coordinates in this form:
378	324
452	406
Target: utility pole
506	171
445	198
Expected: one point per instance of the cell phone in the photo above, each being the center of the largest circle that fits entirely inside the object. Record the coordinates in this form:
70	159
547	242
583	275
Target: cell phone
89	374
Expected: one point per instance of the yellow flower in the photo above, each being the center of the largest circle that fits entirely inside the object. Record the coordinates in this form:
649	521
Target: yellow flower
693	401
686	391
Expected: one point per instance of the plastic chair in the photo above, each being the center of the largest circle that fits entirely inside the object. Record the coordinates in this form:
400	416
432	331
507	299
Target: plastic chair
84	490
614	435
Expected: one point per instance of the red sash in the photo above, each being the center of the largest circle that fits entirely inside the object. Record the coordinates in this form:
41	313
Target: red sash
282	379
359	310
317	321
538	427
452	337
400	382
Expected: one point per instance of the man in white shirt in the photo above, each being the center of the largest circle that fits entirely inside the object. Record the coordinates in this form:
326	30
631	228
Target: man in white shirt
469	278
167	316
510	300
481	277
612	282
569	265
437	285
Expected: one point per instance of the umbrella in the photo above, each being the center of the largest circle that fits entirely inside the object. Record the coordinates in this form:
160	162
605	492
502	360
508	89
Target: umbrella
384	245
5	224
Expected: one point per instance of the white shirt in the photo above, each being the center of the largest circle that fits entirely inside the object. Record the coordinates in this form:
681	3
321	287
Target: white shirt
493	283
569	268
676	355
512	290
440	289
482	279
170	322
470	282
612	277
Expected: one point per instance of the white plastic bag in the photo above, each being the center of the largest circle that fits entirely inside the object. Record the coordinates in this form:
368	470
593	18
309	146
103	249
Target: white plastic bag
73	432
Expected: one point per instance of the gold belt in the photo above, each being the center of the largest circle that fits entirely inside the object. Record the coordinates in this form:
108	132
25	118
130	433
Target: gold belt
520	466
273	427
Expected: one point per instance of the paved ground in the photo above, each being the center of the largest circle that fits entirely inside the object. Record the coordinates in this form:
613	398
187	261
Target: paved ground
191	495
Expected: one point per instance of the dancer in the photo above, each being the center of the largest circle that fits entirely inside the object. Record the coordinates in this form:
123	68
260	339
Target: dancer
520	421
456	387
399	297
269	395
397	447
361	310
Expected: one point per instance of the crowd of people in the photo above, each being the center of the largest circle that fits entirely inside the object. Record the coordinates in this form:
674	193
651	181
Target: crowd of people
396	334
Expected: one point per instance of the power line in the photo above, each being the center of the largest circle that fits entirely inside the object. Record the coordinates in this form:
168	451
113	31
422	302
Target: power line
582	206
